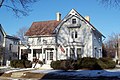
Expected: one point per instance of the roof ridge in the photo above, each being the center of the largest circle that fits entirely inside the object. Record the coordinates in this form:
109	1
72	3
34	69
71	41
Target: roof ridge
45	21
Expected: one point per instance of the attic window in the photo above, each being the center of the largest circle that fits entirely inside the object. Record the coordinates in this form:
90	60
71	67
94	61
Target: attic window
73	21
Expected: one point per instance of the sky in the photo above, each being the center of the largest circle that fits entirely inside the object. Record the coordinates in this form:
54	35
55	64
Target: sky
105	19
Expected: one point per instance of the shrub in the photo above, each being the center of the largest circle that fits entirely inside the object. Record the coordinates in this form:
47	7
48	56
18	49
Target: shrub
89	63
79	62
109	62
27	64
65	64
101	64
56	64
74	65
83	63
13	63
20	63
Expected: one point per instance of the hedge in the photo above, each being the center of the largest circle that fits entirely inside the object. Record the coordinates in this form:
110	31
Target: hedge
20	63
84	63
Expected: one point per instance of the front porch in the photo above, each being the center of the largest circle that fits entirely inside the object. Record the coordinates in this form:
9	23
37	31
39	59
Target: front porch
45	54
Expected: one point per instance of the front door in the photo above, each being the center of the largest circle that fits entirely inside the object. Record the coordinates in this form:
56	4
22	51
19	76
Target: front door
49	56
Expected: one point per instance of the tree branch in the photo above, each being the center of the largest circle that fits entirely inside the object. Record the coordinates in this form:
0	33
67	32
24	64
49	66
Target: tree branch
111	3
1	3
18	6
17	11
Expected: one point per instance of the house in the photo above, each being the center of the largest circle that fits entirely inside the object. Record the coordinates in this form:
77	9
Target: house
9	46
72	37
12	46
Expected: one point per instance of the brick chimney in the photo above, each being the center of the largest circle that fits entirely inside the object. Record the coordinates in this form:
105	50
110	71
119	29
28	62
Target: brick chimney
87	18
58	15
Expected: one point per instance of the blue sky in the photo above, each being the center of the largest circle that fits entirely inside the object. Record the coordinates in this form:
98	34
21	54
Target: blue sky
106	20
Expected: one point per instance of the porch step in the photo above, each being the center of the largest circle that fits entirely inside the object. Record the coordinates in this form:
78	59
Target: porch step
46	66
17	74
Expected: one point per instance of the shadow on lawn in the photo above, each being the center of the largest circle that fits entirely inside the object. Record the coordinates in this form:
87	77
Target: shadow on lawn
83	75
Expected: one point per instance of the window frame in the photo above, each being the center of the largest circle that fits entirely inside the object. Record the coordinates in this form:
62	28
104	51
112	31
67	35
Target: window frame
74	21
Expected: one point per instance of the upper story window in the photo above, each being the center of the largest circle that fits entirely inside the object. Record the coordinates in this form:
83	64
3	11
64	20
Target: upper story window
15	42
39	40
73	21
44	41
10	47
74	34
99	39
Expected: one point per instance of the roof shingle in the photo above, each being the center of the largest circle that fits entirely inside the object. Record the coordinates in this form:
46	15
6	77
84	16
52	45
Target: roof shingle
42	28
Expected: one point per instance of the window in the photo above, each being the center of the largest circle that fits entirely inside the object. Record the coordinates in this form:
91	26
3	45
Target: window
99	39
49	55
44	41
72	35
39	41
10	47
15	43
67	52
75	34
73	21
95	55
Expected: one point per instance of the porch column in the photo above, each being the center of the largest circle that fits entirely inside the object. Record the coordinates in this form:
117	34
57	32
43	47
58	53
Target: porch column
75	53
55	54
31	55
42	53
68	52
19	54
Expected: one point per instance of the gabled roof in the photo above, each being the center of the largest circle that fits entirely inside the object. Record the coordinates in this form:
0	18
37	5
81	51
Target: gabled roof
73	12
42	28
12	37
90	24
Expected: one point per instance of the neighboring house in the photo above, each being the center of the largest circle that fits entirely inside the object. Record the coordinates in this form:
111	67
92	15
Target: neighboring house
72	37
10	45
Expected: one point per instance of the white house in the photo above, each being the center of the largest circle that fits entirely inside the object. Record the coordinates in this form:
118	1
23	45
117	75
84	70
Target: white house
72	37
9	46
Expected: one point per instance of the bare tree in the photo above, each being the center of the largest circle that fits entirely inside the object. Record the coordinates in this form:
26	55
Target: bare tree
111	45
19	7
110	3
21	32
